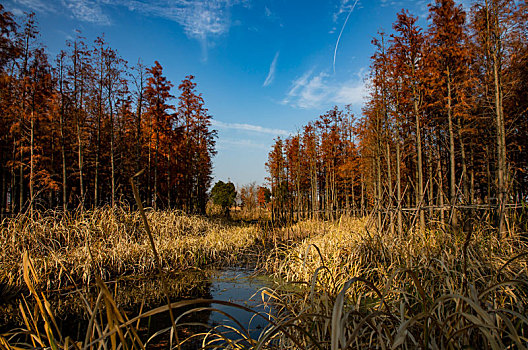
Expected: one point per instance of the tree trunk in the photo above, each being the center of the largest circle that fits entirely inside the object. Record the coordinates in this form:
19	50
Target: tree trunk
97	148
496	56
389	180
149	162
362	203
3	202
431	183
378	172
139	112
488	174
112	163
32	163
501	143
156	156
472	176
420	191
463	159
169	173
78	92
452	174
98	141
62	136
378	185
398	188
13	180
80	158
315	191
440	188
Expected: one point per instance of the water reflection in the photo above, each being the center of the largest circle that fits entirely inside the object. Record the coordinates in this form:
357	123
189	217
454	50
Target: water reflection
241	287
238	286
134	294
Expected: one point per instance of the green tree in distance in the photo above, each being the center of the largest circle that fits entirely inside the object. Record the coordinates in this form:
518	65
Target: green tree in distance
224	194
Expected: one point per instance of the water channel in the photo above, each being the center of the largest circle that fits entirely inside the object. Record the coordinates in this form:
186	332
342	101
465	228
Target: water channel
240	287
237	286
234	285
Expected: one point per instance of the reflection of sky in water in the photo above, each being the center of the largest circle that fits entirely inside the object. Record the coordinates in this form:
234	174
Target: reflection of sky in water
237	286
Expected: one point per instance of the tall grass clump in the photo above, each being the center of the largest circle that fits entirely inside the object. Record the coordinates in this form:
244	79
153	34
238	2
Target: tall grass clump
72	247
431	289
107	325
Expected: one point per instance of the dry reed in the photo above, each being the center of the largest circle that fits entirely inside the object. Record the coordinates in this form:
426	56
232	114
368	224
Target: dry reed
356	288
431	290
73	247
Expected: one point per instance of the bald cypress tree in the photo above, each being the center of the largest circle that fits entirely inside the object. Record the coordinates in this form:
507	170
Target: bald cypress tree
157	96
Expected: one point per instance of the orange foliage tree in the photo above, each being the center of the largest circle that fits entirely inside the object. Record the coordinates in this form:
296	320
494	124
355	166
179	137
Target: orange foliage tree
73	133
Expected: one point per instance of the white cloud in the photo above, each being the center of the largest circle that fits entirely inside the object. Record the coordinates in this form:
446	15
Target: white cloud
318	90
226	143
200	19
271	73
248	127
345	6
298	84
314	92
87	11
36	5
82	10
350	94
272	16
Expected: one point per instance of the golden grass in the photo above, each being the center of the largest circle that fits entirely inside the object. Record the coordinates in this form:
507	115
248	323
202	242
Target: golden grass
420	290
112	242
357	288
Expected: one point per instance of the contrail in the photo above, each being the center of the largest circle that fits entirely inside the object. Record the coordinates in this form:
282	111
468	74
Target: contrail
341	33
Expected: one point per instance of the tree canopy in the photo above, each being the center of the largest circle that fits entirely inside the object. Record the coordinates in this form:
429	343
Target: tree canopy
224	195
444	126
74	129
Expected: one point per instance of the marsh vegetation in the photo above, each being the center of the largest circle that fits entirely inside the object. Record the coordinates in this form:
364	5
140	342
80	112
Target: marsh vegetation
348	285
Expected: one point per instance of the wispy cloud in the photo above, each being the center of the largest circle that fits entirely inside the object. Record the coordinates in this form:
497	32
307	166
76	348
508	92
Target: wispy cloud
345	6
308	91
271	73
16	11
248	127
267	11
315	90
351	93
36	5
298	84
227	143
200	19
87	11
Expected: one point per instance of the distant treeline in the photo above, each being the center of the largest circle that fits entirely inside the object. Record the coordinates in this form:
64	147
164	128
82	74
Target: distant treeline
445	124
73	131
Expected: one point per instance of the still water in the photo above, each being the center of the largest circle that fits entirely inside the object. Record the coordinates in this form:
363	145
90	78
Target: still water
239	286
235	285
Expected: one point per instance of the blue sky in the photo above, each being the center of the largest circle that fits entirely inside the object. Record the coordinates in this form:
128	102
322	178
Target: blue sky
265	68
